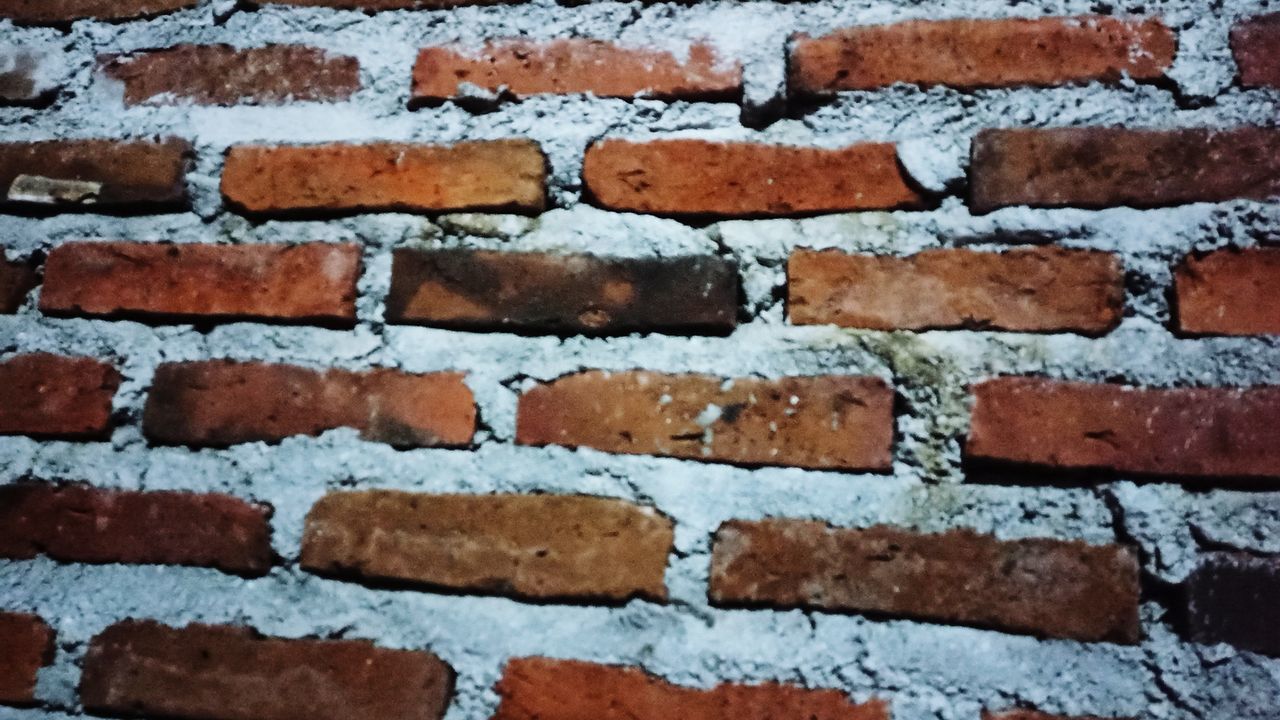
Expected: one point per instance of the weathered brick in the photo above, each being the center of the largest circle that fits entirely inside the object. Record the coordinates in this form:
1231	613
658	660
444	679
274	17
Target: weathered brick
220	402
1022	714
542	547
64	11
45	395
1054	588
700	177
1253	43
310	282
482	290
522	68
76	523
1186	432
1231	598
501	175
224	75
541	688
16	281
829	422
1044	289
973	54
1104	167
28	76
232	673
1229	292
97	175
28	646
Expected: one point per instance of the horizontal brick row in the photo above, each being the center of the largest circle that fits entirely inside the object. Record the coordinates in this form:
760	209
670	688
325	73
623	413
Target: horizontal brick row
28	646
44	395
98	175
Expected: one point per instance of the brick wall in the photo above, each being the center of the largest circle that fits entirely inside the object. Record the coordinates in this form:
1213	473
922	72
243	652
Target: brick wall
838	359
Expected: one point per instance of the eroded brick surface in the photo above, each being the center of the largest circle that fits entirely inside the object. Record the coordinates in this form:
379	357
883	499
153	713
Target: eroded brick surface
27	644
1254	43
1229	292
63	11
44	395
28	76
97	175
16	281
1231	598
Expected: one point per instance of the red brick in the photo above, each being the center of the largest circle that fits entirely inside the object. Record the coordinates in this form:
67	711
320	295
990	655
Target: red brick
542	547
971	54
220	402
45	395
28	646
1229	292
223	75
699	177
97	175
542	688
1253	43
1044	289
311	282
76	523
498	176
523	68
64	11
16	281
1105	167
1053	588
1185	432
826	422
1231	598
1032	715
28	76
232	673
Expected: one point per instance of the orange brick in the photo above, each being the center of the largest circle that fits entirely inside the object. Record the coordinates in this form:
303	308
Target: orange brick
1229	292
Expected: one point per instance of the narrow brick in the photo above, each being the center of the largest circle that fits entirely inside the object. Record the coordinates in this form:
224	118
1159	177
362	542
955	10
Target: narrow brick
16	281
219	403
542	547
28	76
700	177
1044	289
1105	167
28	646
1052	588
65	11
541	688
77	523
232	673
310	282
827	422
497	176
52	396
487	290
972	54
1229	292
96	175
1231	598
1186	432
1022	714
1253	43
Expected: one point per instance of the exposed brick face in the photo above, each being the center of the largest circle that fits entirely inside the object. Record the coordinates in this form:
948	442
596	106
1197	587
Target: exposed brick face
541	688
483	290
527	546
825	422
214	671
64	11
28	646
220	402
27	76
1055	588
1037	290
698	177
45	395
16	281
311	282
972	54
1229	292
1231	598
97	175
1253	43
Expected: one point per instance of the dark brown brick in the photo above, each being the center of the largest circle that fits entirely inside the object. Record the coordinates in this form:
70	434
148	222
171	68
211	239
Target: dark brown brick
28	77
95	175
1231	598
16	281
1253	43
1229	292
28	646
64	11
45	395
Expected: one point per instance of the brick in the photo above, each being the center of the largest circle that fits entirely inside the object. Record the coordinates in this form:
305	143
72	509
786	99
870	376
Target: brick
973	54
28	646
1045	289
542	547
1106	167
825	422
27	76
1229	292
224	75
65	11
1021	714
1231	598
487	290
16	281
541	688
219	403
1051	588
1253	44
1185	432
699	177
232	673
310	282
76	523
497	176
521	68
96	175
52	396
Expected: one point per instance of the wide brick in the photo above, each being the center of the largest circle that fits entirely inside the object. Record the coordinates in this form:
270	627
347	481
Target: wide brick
484	290
700	177
1231	598
1253	43
16	281
28	646
501	175
220	402
311	282
1044	289
1229	292
45	395
223	75
232	673
1104	167
541	689
1053	588
973	54
76	523
96	175
28	76
63	11
543	547
522	68
1185	432
826	422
